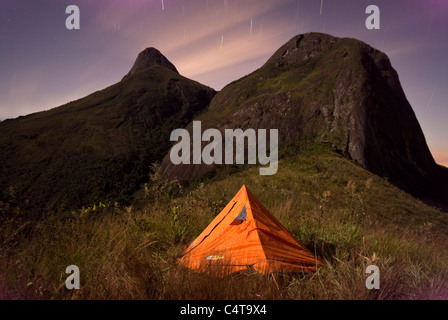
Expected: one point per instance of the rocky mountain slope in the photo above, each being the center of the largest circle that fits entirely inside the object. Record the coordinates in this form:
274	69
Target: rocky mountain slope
332	90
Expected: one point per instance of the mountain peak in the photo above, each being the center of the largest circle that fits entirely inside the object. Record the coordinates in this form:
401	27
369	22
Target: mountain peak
150	57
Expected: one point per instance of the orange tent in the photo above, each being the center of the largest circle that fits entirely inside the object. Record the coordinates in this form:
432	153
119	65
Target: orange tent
246	236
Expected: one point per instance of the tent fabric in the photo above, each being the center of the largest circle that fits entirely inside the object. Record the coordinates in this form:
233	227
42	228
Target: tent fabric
244	235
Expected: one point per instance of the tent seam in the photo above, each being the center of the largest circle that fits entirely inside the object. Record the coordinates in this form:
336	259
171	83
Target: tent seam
257	227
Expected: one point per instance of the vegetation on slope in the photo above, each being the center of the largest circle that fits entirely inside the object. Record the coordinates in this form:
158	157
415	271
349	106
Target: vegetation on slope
349	217
99	147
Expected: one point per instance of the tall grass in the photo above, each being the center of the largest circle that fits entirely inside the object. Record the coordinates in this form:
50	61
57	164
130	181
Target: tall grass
349	218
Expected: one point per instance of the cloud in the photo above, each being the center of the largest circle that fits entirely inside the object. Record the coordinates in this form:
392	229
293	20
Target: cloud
191	35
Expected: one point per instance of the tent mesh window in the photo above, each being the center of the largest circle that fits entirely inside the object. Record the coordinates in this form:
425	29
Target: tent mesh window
241	217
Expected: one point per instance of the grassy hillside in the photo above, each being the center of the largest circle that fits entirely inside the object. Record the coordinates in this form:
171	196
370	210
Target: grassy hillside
346	215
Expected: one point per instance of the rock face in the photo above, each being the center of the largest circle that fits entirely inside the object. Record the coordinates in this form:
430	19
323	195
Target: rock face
98	148
334	90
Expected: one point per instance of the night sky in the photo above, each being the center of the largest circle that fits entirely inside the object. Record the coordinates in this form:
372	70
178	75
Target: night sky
44	65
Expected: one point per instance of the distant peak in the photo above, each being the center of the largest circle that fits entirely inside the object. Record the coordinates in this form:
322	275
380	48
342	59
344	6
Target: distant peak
150	57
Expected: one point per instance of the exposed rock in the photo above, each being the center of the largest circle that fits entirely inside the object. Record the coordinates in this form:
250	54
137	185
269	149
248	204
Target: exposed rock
335	90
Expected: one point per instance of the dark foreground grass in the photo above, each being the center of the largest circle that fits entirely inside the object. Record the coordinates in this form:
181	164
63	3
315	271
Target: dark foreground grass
347	216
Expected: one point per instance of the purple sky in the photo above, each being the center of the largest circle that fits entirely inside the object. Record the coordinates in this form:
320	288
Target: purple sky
44	65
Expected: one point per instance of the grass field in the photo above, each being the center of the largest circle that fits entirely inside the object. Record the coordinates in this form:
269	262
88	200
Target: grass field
347	216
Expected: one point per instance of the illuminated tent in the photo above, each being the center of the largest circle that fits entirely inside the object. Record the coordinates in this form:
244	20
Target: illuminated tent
246	236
